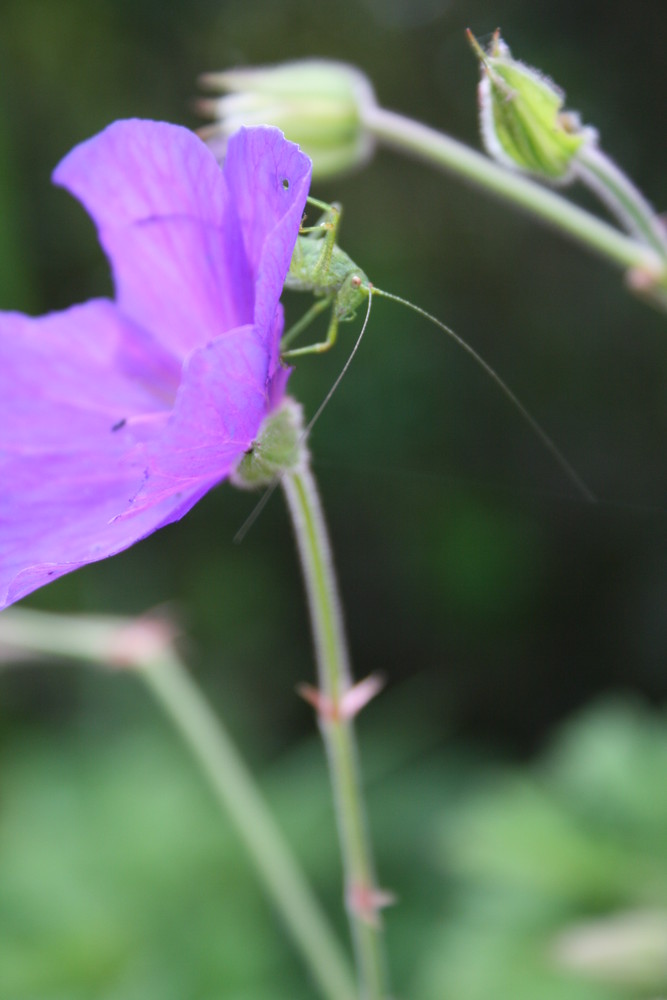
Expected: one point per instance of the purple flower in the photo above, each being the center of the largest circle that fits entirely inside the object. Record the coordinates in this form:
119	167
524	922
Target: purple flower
117	416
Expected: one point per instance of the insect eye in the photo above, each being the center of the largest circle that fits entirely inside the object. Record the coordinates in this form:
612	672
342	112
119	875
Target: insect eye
355	281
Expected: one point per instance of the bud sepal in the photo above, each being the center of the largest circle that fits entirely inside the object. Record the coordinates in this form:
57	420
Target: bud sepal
279	447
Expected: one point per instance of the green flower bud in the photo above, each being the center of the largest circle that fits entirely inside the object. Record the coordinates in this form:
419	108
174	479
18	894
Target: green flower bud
279	447
317	104
522	120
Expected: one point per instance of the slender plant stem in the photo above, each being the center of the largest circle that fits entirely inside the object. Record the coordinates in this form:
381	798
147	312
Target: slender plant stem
132	645
334	677
236	791
622	198
442	151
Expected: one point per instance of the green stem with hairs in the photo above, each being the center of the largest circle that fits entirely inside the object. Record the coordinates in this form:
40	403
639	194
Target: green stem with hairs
446	153
236	791
335	681
621	197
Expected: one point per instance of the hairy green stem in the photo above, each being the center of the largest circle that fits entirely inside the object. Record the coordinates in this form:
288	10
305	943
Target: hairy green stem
142	648
622	198
335	681
442	151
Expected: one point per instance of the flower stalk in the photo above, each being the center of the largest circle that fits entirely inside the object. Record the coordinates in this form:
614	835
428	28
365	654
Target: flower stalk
235	789
625	201
279	455
336	692
448	154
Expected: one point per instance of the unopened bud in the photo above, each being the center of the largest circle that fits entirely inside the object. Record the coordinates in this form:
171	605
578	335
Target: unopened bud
522	119
316	102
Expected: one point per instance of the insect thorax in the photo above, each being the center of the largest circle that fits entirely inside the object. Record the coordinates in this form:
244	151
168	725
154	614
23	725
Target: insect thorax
307	273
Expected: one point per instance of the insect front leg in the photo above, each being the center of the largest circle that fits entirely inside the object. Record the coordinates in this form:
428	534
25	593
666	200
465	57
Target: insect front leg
301	325
329	220
323	345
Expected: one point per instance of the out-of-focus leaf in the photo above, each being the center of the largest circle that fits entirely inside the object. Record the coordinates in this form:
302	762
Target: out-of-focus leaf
560	871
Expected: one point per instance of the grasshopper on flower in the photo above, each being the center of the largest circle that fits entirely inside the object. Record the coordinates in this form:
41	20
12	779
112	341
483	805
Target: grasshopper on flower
321	267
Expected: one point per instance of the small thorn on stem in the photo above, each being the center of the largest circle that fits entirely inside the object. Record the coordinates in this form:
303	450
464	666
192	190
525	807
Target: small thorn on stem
365	902
351	703
360	694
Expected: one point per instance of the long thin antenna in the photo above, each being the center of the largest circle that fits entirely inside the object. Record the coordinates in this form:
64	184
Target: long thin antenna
318	412
548	443
261	504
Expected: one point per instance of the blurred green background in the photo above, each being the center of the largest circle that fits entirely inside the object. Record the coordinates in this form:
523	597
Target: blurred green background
496	602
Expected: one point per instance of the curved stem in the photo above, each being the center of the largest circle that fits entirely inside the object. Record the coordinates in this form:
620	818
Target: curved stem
234	787
622	198
449	154
145	647
335	682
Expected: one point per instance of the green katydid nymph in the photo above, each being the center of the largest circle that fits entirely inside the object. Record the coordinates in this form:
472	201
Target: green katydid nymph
321	267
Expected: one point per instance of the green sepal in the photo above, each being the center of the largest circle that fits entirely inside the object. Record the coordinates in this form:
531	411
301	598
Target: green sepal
279	447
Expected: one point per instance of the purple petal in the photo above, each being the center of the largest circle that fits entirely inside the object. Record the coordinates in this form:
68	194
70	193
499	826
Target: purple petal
218	410
136	170
194	250
115	418
73	436
163	212
66	378
179	278
68	517
269	181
